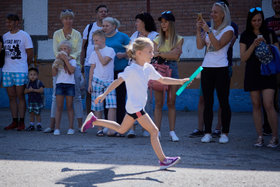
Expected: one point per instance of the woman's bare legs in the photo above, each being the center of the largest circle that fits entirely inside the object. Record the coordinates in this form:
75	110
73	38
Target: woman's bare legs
158	108
59	109
70	111
257	112
171	107
268	103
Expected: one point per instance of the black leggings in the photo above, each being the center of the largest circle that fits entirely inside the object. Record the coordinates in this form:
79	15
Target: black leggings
121	98
216	78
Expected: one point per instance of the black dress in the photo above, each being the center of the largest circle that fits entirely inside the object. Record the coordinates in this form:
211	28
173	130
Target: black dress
253	79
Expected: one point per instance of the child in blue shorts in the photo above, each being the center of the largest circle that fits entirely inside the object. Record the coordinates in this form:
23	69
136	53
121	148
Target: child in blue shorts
34	89
65	87
101	75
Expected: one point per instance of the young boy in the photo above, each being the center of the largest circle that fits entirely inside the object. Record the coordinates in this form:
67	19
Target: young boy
101	75
34	89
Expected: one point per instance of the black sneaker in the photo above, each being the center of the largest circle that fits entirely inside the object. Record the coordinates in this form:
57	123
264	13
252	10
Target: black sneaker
30	128
39	128
196	133
216	133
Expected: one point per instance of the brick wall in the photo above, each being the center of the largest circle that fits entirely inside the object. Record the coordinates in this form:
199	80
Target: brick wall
185	12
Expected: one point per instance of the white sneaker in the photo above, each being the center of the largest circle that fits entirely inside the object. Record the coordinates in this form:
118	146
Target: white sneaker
146	133
223	138
70	131
105	130
48	130
173	136
206	138
56	132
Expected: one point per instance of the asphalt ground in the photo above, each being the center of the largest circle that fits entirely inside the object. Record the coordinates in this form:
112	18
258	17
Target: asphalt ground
83	159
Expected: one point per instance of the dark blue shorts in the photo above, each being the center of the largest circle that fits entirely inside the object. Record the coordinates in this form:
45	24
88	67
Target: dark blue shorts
65	89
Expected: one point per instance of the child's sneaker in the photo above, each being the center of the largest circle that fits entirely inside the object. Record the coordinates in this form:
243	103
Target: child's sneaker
30	128
39	128
88	122
274	142
196	133
131	133
146	133
169	161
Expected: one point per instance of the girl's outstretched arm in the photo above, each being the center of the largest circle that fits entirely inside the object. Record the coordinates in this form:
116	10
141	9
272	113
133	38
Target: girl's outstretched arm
172	81
112	86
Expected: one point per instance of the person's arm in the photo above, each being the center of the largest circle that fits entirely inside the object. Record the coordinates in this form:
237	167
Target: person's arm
104	60
83	53
70	68
112	86
55	44
54	70
30	55
175	53
92	66
218	44
172	81
39	90
77	48
200	36
246	53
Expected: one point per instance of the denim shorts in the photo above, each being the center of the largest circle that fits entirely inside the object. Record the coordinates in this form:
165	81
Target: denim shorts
65	89
174	66
14	79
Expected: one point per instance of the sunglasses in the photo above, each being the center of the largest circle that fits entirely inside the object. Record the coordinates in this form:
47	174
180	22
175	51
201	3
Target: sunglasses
166	12
67	10
255	9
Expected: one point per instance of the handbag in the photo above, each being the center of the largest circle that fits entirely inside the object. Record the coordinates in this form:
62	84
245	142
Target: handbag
165	71
263	53
273	67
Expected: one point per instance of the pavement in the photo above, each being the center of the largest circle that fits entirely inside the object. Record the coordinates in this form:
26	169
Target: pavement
83	159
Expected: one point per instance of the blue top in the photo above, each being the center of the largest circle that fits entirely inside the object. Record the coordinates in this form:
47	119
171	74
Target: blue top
117	42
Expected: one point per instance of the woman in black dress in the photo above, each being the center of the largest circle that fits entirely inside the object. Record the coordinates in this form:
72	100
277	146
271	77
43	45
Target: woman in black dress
261	88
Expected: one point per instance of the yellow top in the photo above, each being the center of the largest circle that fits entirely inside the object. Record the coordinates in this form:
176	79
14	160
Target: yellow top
166	47
75	40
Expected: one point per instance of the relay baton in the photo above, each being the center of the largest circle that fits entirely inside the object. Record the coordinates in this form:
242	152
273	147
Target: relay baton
181	89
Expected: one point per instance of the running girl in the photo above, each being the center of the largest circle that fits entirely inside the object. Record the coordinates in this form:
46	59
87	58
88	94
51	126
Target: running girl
136	77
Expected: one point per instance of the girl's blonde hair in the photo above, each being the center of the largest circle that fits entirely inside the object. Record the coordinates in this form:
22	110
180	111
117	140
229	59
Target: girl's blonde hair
139	44
113	21
66	43
173	36
66	13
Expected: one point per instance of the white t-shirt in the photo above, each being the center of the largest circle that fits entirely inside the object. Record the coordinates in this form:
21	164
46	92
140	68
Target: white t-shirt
216	58
104	73
136	79
64	77
152	35
90	47
15	48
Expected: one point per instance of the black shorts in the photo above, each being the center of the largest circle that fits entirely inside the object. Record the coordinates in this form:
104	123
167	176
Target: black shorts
137	114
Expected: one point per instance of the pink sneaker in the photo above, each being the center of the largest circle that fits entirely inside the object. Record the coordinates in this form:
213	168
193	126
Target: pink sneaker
88	122
169	161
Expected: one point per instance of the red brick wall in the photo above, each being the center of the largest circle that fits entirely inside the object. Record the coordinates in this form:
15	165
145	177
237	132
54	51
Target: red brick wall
8	7
184	10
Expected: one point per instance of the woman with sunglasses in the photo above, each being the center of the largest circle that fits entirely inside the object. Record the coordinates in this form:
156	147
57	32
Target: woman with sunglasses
168	46
261	88
215	74
74	37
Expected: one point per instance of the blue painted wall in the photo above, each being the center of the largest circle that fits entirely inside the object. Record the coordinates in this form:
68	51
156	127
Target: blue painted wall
187	101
